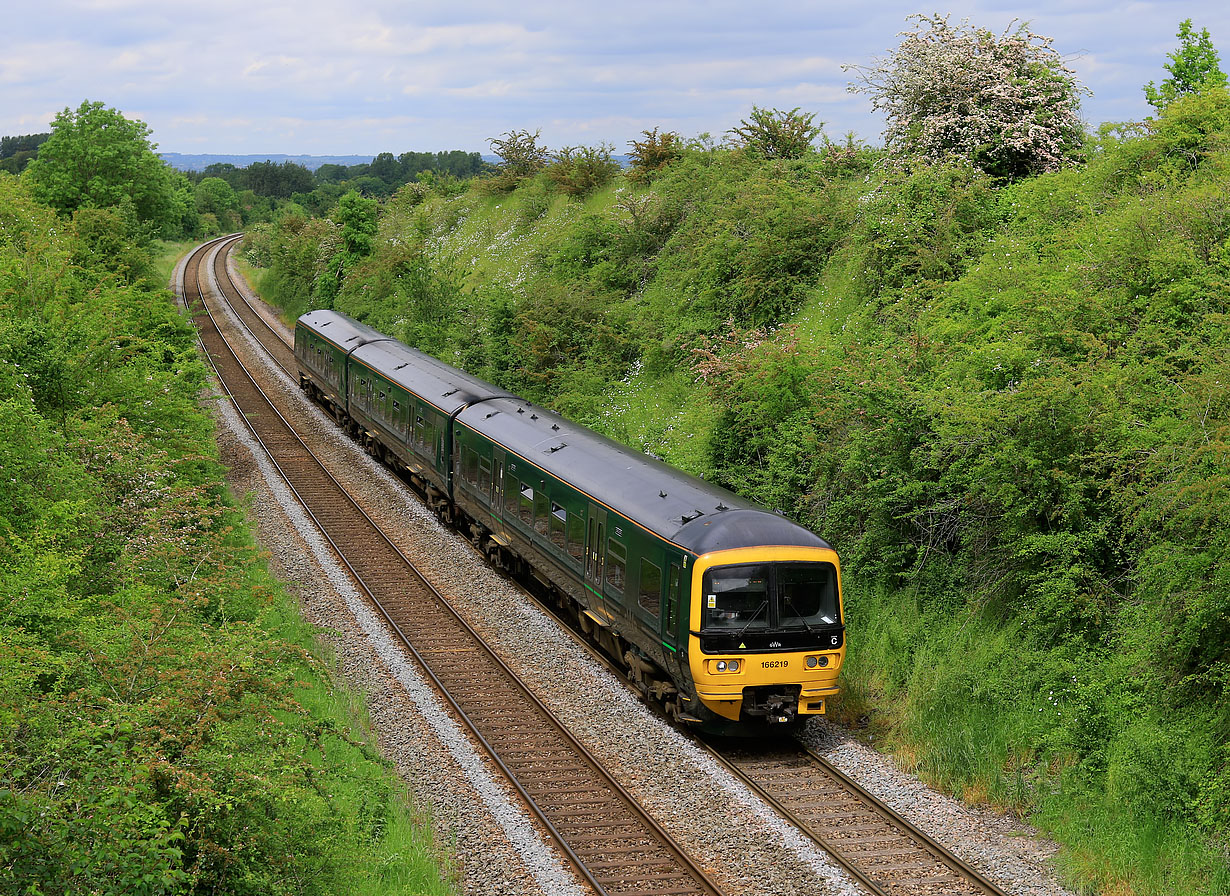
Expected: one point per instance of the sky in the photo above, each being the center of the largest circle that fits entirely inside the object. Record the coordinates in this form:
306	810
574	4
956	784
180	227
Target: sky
346	78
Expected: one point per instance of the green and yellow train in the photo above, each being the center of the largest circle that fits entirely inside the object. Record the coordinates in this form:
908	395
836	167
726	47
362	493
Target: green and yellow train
726	614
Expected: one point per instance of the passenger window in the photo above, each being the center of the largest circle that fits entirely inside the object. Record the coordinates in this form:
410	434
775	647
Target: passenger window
526	504
576	534
559	525
616	561
484	475
650	588
469	465
541	506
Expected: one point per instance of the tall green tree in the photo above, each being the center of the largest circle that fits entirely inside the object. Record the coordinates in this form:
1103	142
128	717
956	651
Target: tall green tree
356	216
97	158
214	196
1193	67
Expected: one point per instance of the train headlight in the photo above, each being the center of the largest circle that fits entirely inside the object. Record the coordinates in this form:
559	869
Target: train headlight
733	666
824	661
721	665
812	662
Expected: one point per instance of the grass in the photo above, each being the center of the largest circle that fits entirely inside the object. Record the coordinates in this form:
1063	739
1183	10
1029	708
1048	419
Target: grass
166	255
402	856
962	698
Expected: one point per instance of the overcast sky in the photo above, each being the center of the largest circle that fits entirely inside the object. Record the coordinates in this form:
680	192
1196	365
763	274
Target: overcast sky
340	77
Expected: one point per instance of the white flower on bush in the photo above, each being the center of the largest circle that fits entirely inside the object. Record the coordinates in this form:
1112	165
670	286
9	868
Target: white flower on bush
1007	103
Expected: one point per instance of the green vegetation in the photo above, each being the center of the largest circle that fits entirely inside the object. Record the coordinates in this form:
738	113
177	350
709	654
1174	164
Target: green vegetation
262	189
1193	67
1003	399
16	152
97	159
990	366
167	724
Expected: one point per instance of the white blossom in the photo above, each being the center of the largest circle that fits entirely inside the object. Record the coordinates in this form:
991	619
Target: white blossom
1007	103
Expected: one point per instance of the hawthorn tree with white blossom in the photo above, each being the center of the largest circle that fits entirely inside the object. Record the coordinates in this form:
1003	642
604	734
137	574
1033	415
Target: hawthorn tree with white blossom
1008	103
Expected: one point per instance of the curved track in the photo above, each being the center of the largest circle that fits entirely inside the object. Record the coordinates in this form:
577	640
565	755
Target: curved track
883	851
611	840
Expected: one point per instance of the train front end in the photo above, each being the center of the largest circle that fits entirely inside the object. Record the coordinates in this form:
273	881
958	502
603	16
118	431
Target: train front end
766	633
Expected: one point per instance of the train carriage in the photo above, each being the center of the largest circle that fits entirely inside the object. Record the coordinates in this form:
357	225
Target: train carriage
722	611
402	403
699	591
323	341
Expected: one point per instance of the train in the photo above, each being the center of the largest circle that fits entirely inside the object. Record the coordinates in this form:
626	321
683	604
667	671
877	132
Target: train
725	614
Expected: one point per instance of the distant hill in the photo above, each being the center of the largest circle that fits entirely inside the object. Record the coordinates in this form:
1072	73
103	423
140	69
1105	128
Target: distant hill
189	162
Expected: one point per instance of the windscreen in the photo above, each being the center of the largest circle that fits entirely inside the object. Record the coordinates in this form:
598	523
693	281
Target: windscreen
770	595
807	594
736	597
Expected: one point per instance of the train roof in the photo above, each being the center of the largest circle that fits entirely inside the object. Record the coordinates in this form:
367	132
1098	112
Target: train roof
446	387
696	515
343	332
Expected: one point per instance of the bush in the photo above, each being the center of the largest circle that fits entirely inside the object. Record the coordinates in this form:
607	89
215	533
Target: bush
582	170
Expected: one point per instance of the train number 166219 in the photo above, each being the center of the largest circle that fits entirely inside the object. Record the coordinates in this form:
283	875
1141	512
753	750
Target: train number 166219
775	664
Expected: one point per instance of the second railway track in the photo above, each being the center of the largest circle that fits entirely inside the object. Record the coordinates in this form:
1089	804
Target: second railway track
886	853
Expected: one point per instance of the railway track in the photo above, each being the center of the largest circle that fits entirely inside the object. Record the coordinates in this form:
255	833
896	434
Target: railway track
612	842
882	851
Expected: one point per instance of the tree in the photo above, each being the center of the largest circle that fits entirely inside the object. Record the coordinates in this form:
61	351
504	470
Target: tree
774	134
1193	67
280	181
580	170
16	152
655	152
356	216
1006	103
215	197
97	158
521	157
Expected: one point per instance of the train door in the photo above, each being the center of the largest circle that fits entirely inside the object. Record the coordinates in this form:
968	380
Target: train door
674	604
595	554
499	464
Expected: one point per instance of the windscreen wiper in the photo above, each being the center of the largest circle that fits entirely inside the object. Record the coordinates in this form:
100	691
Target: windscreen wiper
802	618
763	605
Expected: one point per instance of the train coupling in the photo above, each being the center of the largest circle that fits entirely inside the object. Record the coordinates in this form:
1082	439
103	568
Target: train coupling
776	705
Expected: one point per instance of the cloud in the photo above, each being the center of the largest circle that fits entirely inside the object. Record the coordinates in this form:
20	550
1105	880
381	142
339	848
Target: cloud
387	75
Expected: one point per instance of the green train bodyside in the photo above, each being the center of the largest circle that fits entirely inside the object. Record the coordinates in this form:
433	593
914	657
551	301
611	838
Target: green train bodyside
629	586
